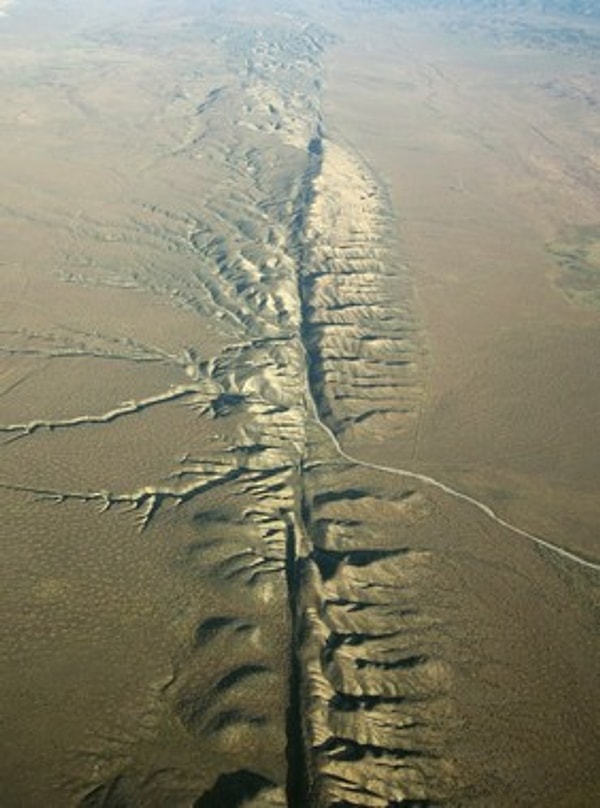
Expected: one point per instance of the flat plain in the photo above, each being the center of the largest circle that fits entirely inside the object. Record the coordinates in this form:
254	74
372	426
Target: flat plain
299	334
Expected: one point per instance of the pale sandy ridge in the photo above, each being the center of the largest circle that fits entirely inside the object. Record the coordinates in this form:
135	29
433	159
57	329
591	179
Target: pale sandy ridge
447	489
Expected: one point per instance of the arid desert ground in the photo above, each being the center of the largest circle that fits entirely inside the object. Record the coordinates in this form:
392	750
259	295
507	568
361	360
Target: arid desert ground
299	404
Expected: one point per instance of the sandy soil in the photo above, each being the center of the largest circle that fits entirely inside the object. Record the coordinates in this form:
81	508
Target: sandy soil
484	168
457	135
255	286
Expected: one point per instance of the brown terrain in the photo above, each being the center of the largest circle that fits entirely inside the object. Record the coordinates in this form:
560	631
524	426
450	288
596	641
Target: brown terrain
299	476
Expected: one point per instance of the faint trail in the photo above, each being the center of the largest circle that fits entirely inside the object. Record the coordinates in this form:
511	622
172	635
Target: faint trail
489	512
424	478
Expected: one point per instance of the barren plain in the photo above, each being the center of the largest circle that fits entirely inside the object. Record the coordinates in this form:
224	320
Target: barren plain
299	338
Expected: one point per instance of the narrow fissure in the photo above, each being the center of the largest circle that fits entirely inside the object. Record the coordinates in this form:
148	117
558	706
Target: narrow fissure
297	786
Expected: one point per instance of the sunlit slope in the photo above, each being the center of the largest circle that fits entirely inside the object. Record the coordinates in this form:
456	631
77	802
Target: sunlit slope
215	596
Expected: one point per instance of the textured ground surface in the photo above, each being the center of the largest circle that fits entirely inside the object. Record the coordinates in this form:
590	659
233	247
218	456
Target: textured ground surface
298	321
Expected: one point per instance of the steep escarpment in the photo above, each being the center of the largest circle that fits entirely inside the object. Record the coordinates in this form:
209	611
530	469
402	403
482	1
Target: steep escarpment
374	683
361	337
